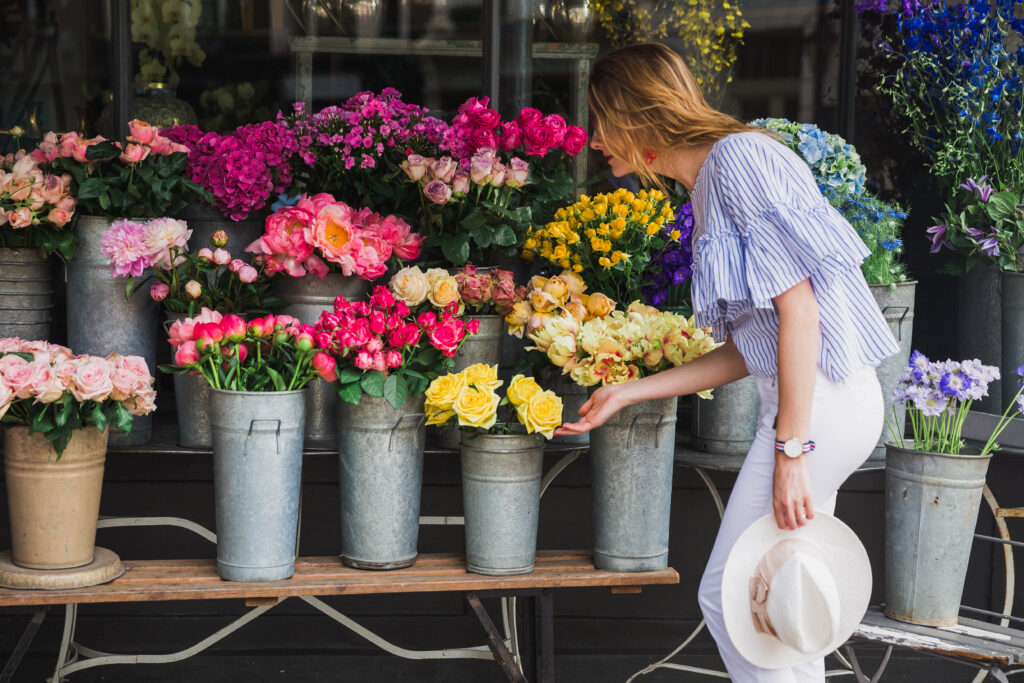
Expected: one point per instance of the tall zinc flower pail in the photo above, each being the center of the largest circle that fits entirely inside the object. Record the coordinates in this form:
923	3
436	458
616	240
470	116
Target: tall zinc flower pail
931	509
1013	334
380	472
307	298
726	425
897	305
501	475
102	320
979	326
257	478
26	294
632	455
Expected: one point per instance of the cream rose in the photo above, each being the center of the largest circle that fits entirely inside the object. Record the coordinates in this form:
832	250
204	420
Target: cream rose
574	281
444	291
541	414
410	285
477	407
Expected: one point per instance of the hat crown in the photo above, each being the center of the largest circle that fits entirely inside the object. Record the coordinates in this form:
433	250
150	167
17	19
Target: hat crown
803	602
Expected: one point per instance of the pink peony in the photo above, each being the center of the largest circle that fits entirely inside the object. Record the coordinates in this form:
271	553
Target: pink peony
159	291
248	274
335	235
166	240
184	330
221	257
236	265
284	240
186	355
124	245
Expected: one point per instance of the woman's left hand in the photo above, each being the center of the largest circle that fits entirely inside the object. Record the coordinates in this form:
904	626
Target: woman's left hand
791	493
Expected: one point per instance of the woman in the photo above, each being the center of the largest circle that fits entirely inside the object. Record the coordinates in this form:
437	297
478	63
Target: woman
776	275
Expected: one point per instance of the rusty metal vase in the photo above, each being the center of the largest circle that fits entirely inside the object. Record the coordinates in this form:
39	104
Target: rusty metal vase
54	504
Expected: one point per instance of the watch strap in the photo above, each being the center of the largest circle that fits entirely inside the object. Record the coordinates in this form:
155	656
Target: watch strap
807	447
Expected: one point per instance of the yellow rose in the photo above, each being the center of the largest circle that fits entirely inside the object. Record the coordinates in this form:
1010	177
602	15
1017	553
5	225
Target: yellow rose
481	375
518	317
444	291
543	302
574	281
477	407
557	288
598	305
536	282
410	285
443	391
522	389
436	416
435	274
541	414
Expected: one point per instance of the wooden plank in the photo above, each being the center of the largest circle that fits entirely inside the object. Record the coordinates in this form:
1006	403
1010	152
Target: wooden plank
627	590
150	581
879	628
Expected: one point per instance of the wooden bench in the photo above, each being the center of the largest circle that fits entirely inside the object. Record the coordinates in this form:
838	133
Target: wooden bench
992	648
156	580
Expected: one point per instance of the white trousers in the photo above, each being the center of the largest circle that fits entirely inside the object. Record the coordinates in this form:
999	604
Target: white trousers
846	420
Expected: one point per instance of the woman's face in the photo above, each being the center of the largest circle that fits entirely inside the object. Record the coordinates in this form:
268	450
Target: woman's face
619	167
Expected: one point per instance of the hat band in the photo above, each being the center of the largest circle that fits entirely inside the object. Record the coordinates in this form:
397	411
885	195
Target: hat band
765	571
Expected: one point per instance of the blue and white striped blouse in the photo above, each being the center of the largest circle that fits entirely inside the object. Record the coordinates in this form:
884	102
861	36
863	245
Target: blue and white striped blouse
761	226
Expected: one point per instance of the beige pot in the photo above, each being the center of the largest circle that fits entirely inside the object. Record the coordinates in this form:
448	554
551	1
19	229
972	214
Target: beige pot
54	505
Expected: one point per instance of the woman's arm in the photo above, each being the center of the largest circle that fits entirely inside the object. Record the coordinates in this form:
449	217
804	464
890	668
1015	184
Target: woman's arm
721	366
797	365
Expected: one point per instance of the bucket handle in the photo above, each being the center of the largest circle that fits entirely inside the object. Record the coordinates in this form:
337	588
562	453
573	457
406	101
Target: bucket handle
654	420
419	418
903	316
277	435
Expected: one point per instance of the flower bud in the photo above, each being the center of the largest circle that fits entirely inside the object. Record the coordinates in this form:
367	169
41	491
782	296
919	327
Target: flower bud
205	253
219	239
221	257
193	289
247	274
236	265
304	342
159	291
325	366
186	355
234	328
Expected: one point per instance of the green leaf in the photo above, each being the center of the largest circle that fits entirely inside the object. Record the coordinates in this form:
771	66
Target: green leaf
102	150
65	412
483	236
1001	205
474	221
505	237
275	377
350	393
455	248
59	438
99	418
123	418
396	390
41	423
105	201
91	188
349	375
372	382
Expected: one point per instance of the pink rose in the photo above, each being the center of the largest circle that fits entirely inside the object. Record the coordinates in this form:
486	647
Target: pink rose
504	296
483	138
415	166
378	363
447	336
125	384
486	118
460	183
20	377
438	192
537	138
47	387
517	173
393	359
248	274
159	291
142	403
443	169
6	398
92	381
527	116
427	320
59	217
325	366
133	153
497	173
141	131
480	168
472	107
20	218
511	136
555	124
364	360
575	140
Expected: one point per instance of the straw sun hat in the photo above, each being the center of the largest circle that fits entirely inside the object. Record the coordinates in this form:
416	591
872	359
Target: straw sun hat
790	597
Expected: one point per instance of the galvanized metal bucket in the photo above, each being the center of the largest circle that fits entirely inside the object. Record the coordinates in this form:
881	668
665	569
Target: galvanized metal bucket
192	406
204	220
632	457
26	294
501	476
380	472
1013	335
979	327
897	305
726	424
573	397
931	509
307	298
102	321
257	478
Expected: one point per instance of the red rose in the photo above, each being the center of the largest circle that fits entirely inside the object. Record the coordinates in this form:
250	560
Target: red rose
527	116
511	136
473	326
482	138
537	139
486	118
556	124
447	337
575	140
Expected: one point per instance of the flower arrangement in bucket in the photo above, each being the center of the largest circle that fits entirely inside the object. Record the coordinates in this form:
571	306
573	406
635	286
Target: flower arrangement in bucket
36	207
381	348
988	228
549	298
245	169
483	292
55	409
319	234
610	239
185	282
144	176
53	392
934	487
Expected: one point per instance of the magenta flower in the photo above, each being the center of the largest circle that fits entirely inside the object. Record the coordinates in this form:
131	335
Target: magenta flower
124	245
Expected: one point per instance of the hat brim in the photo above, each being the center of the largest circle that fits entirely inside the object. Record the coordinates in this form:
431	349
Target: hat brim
850	566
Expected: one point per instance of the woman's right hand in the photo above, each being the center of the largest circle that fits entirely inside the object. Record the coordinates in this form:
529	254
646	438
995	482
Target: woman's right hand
603	403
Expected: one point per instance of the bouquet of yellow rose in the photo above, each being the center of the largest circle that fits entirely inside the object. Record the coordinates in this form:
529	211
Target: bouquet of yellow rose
623	346
609	239
547	298
471	398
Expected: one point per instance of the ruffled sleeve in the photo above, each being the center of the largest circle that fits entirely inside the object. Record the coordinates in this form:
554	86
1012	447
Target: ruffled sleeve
771	229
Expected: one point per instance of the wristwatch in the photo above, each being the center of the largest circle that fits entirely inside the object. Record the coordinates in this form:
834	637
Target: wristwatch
794	448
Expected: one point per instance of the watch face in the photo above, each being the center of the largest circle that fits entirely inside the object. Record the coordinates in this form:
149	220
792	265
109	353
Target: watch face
793	448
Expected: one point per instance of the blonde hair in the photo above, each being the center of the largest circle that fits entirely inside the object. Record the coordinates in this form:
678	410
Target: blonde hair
643	95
